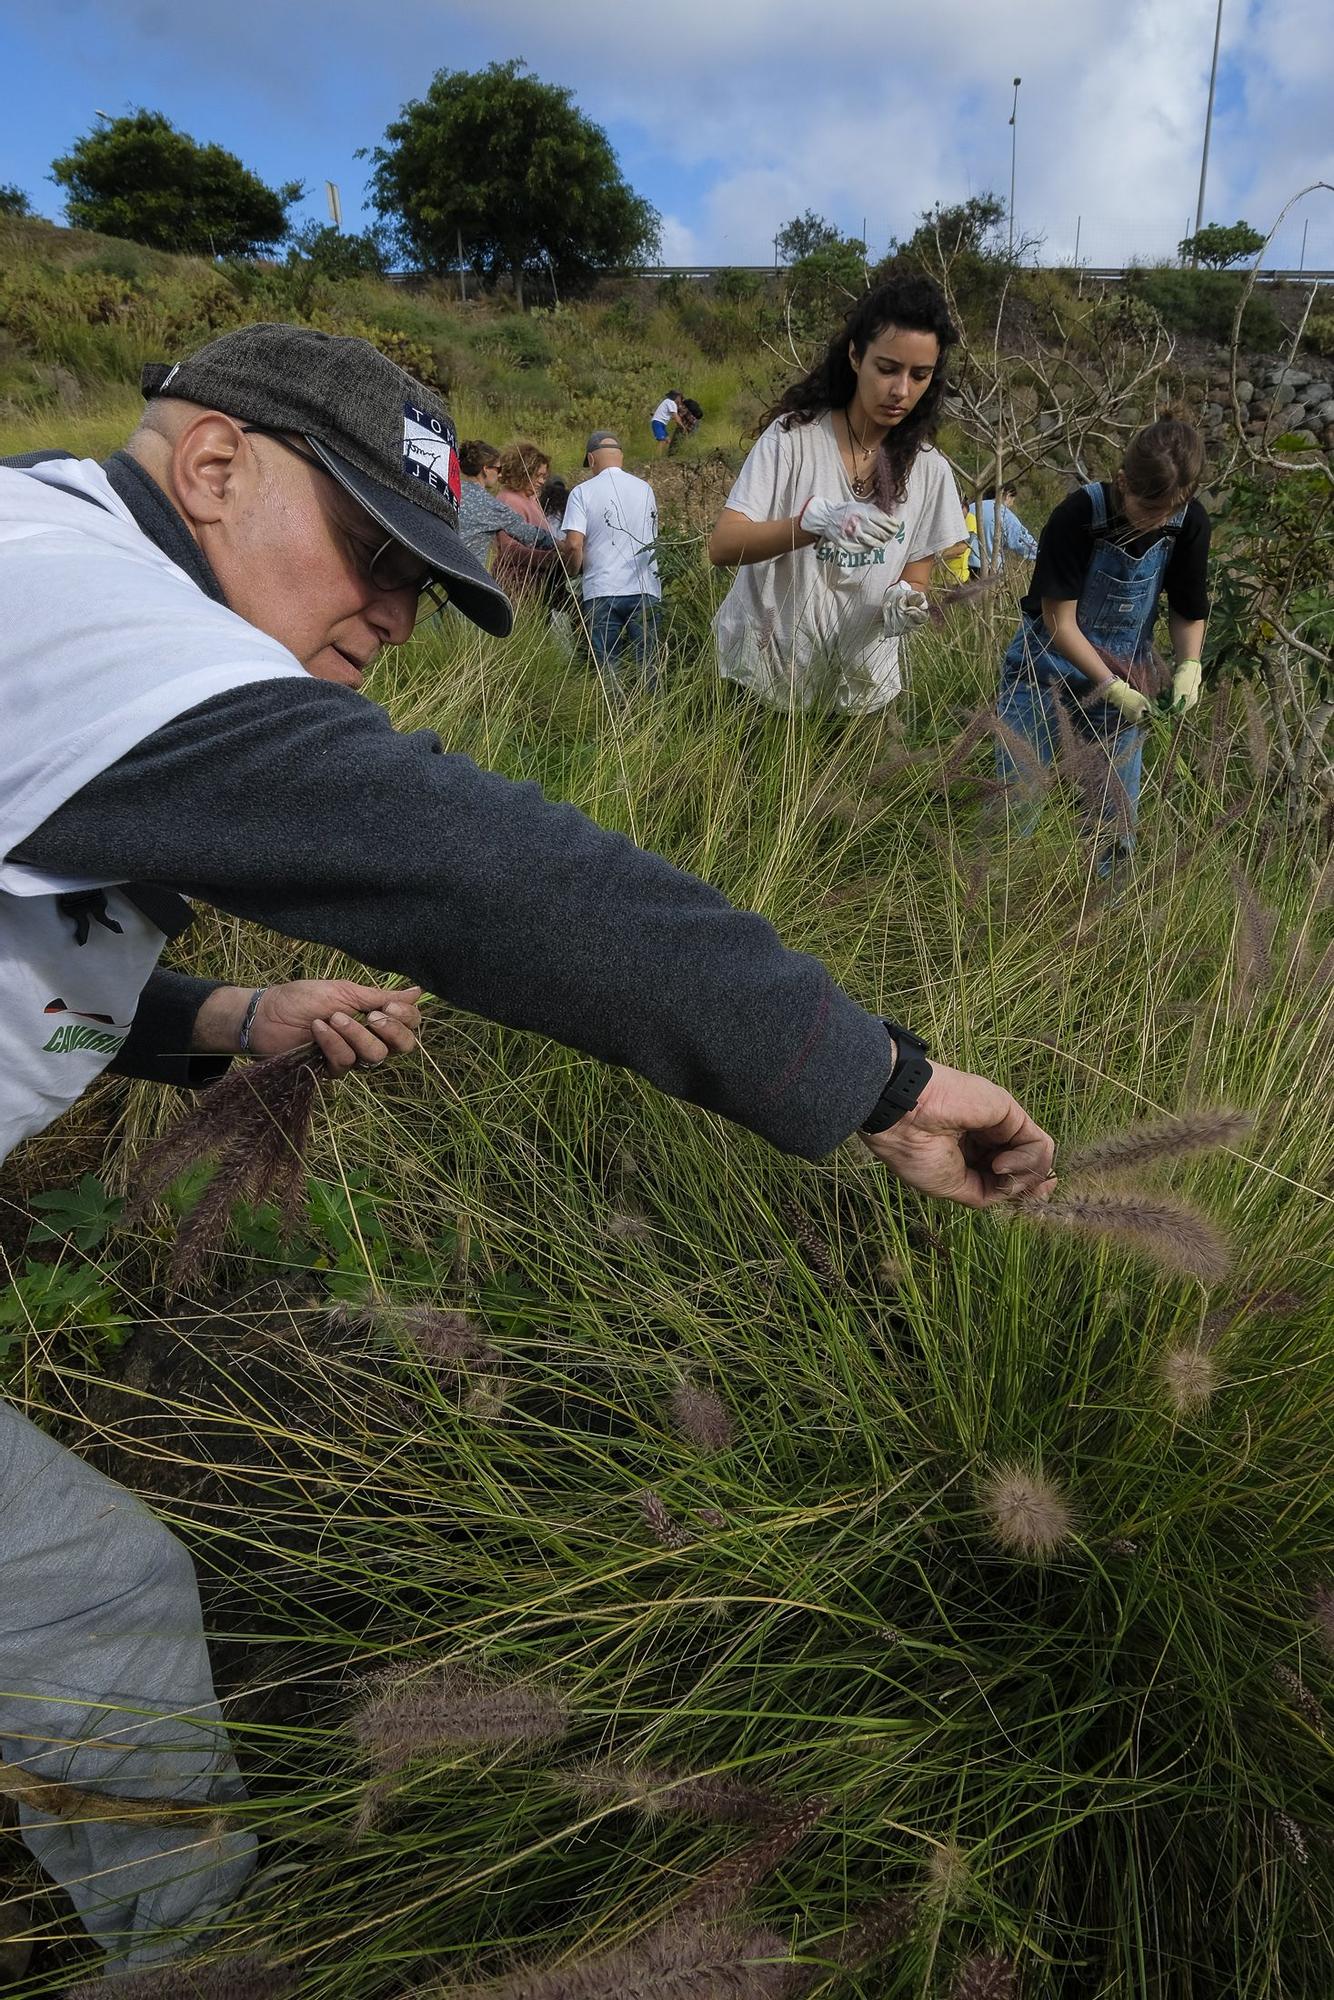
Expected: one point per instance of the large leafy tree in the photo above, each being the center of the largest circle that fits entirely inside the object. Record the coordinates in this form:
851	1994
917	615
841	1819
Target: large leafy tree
509	166
139	177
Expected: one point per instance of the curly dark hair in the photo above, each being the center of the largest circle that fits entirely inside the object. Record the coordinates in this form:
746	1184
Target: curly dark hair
916	305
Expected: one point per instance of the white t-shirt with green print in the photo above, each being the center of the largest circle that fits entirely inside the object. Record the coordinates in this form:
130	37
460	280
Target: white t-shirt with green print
804	630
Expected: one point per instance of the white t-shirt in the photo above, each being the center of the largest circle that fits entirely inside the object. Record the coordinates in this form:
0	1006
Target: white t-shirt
804	630
617	515
665	411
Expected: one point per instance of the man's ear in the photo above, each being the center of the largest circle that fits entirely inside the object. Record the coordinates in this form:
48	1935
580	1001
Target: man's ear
206	461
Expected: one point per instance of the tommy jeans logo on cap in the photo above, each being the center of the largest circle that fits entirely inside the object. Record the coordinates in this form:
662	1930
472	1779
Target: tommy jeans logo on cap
430	451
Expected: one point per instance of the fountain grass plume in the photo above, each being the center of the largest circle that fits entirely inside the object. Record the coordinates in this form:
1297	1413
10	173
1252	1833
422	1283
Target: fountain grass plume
453	1708
1159	1139
949	1874
814	1248
985	1976
248	1977
255	1123
660	1523
711	1796
1190	1376
443	1338
1253	959
1032	774
1085	763
1300	1695
1170	1233
725	1886
1029	1514
683	1960
701	1418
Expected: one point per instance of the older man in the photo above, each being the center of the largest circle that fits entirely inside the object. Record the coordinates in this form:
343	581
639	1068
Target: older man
610	529
182	634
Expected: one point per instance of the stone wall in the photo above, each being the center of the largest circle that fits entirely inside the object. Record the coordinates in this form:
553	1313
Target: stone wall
1278	399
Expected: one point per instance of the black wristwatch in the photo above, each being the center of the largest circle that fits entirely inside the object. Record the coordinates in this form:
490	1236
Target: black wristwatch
908	1079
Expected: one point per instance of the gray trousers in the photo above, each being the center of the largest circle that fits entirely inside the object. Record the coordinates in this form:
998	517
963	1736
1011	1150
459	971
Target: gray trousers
105	1685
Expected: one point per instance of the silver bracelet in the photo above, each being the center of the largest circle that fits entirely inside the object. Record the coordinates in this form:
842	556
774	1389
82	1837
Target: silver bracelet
248	1022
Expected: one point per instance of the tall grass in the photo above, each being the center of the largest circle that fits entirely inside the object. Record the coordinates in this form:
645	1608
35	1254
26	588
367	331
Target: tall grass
985	1562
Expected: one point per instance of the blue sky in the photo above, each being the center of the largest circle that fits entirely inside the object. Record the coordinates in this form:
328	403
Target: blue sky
732	120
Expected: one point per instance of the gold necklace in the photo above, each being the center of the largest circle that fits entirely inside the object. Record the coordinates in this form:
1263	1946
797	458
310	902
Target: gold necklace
864	486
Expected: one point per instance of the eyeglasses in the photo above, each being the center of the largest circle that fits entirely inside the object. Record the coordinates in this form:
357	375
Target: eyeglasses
392	568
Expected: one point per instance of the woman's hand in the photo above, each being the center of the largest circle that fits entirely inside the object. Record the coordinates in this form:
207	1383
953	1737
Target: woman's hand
969	1141
327	1012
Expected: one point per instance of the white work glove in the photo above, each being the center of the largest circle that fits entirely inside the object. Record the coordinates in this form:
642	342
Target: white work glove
905	609
848	524
1135	707
1186	685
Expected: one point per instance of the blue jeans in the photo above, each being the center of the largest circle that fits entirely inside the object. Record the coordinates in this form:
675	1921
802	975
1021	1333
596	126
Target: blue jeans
1109	776
619	625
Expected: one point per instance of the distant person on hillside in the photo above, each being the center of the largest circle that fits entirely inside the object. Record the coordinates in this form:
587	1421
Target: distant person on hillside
555	493
611	526
481	514
1014	536
666	420
1081	662
520	567
840	511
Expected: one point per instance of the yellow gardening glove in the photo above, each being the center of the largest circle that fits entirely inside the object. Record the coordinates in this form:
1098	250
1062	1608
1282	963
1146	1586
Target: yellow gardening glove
1186	685
1133	705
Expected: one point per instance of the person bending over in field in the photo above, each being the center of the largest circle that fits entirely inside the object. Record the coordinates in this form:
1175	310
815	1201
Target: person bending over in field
1078	662
183	634
839	513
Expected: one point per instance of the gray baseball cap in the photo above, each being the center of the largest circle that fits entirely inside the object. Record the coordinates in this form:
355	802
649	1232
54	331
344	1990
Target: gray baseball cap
598	440
376	430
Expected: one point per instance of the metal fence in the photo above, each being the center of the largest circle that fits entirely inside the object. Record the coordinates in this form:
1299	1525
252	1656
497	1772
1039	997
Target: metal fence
1110	274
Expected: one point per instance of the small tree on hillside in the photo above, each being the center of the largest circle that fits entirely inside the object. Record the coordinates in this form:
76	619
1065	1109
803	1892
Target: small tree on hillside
961	228
13	201
1220	244
804	235
332	253
139	177
510	167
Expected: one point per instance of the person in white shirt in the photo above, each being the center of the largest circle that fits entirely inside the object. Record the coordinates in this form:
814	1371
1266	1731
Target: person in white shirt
840	512
666	419
610	528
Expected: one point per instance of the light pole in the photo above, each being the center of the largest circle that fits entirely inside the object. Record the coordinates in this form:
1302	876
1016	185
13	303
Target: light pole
1014	140
1208	127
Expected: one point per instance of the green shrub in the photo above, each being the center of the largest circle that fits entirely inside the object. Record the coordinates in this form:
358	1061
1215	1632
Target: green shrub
1204	303
1319	334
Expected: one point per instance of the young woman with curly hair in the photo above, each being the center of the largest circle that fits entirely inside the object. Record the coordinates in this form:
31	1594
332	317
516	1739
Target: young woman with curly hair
840	511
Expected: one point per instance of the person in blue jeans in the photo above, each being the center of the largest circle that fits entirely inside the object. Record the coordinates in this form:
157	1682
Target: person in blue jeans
1078	668
1014	536
610	534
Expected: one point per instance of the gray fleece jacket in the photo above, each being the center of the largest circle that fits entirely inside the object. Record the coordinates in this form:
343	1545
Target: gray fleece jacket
298	805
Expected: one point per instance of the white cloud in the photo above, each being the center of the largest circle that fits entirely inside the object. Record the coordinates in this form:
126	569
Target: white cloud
898	108
679	242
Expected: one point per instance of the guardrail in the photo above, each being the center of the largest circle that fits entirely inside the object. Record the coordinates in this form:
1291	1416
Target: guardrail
1101	273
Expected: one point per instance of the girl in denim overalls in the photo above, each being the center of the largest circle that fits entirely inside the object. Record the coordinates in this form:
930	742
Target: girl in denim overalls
1056	681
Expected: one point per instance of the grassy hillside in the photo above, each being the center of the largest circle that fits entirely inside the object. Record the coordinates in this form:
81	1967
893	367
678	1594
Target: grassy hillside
80	314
